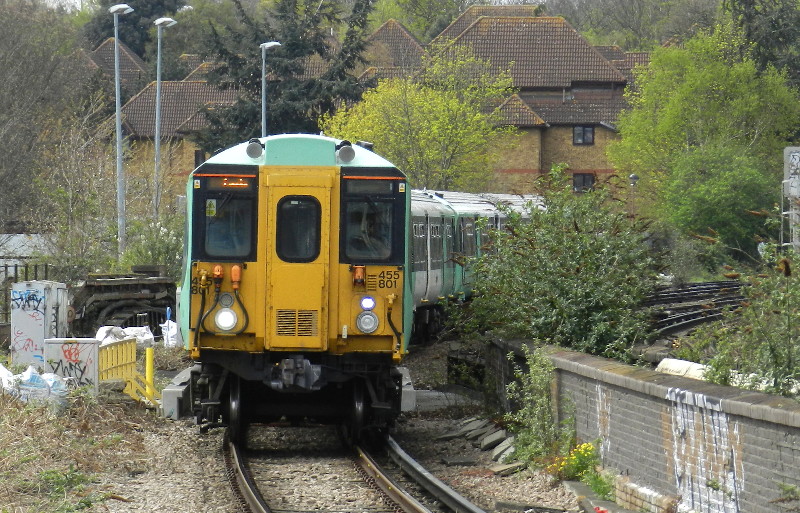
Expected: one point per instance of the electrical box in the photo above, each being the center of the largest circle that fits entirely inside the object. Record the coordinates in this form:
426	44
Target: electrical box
38	311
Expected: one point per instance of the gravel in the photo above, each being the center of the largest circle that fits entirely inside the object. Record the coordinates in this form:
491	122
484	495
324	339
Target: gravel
181	469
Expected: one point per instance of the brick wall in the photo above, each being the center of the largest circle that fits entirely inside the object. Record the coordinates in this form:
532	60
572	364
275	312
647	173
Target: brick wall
557	147
680	444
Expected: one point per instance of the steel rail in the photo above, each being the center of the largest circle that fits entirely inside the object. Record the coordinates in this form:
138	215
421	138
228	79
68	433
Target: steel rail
246	486
387	485
428	481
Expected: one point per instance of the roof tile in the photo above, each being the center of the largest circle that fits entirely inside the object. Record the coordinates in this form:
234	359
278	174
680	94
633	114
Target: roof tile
474	12
545	52
180	103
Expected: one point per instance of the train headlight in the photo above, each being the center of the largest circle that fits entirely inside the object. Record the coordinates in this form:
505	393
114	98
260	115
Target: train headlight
226	319
367	322
367	303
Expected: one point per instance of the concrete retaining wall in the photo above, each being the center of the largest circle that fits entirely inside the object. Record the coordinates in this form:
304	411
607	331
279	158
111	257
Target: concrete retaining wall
682	444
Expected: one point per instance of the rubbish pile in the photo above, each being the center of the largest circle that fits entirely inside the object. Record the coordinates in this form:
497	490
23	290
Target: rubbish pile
30	386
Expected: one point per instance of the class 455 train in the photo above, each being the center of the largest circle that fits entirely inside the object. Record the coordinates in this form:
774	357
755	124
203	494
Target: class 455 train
309	264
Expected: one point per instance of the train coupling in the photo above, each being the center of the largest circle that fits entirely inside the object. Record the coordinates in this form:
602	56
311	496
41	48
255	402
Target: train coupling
295	373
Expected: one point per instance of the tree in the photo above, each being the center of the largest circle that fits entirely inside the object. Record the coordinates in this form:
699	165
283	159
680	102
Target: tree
439	126
298	95
427	18
773	27
42	80
715	188
76	178
704	103
572	274
135	28
636	24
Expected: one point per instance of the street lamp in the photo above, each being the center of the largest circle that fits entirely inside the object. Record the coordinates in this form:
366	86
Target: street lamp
116	10
264	47
161	23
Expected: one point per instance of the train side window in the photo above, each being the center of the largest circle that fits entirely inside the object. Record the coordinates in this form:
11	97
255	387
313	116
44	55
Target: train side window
298	229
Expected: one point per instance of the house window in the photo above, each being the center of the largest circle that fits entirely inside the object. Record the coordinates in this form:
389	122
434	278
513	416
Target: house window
583	135
582	182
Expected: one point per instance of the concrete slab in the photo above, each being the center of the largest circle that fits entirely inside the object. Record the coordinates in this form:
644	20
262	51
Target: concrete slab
492	440
507	469
475	434
432	400
408	399
175	396
502	447
456	461
463	430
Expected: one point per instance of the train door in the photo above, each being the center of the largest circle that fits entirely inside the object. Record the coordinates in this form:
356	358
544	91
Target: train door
448	280
298	249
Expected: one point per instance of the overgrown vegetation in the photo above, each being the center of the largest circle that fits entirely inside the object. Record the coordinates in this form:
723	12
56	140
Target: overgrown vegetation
755	345
570	274
541	440
48	460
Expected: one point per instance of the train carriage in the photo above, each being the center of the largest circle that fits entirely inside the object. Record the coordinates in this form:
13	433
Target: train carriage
309	262
294	287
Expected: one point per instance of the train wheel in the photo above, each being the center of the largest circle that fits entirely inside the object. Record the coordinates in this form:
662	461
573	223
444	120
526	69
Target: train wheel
237	426
351	427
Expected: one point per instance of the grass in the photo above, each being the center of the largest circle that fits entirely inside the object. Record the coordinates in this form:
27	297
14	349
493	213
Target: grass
53	461
50	460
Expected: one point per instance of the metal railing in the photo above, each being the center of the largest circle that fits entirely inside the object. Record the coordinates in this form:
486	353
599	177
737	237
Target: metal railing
117	360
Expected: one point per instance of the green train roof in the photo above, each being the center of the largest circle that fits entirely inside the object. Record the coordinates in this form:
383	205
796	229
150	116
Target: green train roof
298	150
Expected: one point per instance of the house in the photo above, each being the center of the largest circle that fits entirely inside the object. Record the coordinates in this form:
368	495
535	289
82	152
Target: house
570	92
569	97
133	72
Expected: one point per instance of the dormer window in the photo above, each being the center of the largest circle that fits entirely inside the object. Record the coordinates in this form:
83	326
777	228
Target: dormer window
582	135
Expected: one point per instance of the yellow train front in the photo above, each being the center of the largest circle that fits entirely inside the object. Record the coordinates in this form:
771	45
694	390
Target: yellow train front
294	301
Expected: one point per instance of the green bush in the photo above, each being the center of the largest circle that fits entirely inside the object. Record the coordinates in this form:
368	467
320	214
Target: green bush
757	344
538	436
572	274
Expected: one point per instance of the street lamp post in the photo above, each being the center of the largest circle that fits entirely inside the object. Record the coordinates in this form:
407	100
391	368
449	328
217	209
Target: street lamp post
161	23
264	47
116	10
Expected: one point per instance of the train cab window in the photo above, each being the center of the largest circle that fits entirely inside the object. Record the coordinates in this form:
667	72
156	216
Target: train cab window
298	229
369	230
372	220
228	227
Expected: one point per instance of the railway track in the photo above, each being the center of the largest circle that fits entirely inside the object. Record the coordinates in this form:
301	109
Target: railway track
301	469
682	308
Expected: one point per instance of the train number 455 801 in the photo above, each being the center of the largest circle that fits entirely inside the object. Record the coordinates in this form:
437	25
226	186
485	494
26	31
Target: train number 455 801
388	279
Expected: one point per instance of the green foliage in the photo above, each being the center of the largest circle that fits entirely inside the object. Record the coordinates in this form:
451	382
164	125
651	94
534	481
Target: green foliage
155	243
703	93
580	461
636	24
572	274
756	346
433	126
75	178
538	435
706	134
308	75
774	28
135	28
714	188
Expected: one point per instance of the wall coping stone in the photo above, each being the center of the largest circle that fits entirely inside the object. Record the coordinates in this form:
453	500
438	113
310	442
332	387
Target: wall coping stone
732	400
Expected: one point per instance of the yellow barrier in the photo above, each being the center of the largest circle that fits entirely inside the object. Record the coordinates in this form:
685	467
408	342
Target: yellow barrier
117	360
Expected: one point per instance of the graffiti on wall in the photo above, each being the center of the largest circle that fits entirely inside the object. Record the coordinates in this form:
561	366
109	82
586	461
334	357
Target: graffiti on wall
27	326
73	358
706	453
